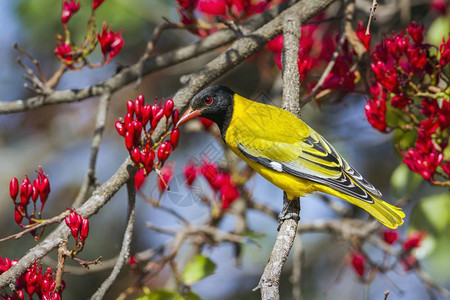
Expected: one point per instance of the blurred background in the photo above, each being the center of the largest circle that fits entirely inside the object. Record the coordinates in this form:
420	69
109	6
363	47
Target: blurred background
58	139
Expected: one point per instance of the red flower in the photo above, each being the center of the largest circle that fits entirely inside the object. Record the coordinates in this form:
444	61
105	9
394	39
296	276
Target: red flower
190	173
416	32
139	179
359	263
376	113
424	164
385	74
205	122
110	42
446	168
361	34
96	3
14	188
165	178
409	262
209	171
413	240
63	51
400	100
228	193
212	7
187	4
439	6
69	8
390	236
417	57
276	44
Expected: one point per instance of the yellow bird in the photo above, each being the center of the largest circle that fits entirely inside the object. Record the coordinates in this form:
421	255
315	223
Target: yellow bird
287	152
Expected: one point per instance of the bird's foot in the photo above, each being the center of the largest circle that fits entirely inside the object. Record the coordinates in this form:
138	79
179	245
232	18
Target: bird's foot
290	210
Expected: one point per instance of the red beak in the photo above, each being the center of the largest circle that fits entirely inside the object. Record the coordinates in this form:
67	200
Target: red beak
188	115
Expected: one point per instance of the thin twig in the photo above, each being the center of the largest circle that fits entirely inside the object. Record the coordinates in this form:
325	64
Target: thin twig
332	61
371	15
56	219
125	250
100	123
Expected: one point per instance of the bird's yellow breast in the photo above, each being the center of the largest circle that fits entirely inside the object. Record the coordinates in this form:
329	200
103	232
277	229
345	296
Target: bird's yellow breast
265	126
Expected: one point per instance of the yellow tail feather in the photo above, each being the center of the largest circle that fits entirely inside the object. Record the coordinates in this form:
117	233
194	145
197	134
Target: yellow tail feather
387	214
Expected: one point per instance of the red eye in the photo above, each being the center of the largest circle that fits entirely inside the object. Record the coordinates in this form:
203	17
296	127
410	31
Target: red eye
208	100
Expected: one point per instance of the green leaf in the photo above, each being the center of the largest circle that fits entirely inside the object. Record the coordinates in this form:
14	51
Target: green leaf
161	295
438	29
191	296
404	181
198	268
432	215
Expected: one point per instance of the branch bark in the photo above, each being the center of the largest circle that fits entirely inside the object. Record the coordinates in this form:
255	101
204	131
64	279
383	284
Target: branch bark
144	66
270	280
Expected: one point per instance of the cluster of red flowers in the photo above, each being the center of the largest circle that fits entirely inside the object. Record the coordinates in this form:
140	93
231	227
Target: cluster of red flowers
406	259
411	89
38	190
137	127
314	52
220	181
79	227
110	42
235	10
33	281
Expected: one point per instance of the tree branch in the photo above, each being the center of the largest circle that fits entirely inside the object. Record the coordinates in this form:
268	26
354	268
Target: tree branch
125	251
144	66
270	280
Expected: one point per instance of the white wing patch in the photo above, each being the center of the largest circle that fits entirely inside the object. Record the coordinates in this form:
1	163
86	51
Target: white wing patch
276	166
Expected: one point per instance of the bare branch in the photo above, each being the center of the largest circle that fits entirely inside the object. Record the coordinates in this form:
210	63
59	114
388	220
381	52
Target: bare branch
153	63
100	123
125	251
289	217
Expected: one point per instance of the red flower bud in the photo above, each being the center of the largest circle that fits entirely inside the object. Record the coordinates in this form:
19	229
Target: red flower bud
164	151
190	173
18	217
13	188
139	105
174	137
175	116
129	141
358	263
34	194
69	8
111	43
130	107
96	3
120	128
205	122
25	193
127	120
139	179
136	155
413	240
84	232
168	108
157	116
146	114
164	179
390	236
137	129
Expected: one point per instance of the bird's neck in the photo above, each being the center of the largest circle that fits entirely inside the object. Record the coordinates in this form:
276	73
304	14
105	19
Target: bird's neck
223	120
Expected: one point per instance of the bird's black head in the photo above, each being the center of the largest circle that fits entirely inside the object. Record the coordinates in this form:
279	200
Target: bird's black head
214	103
